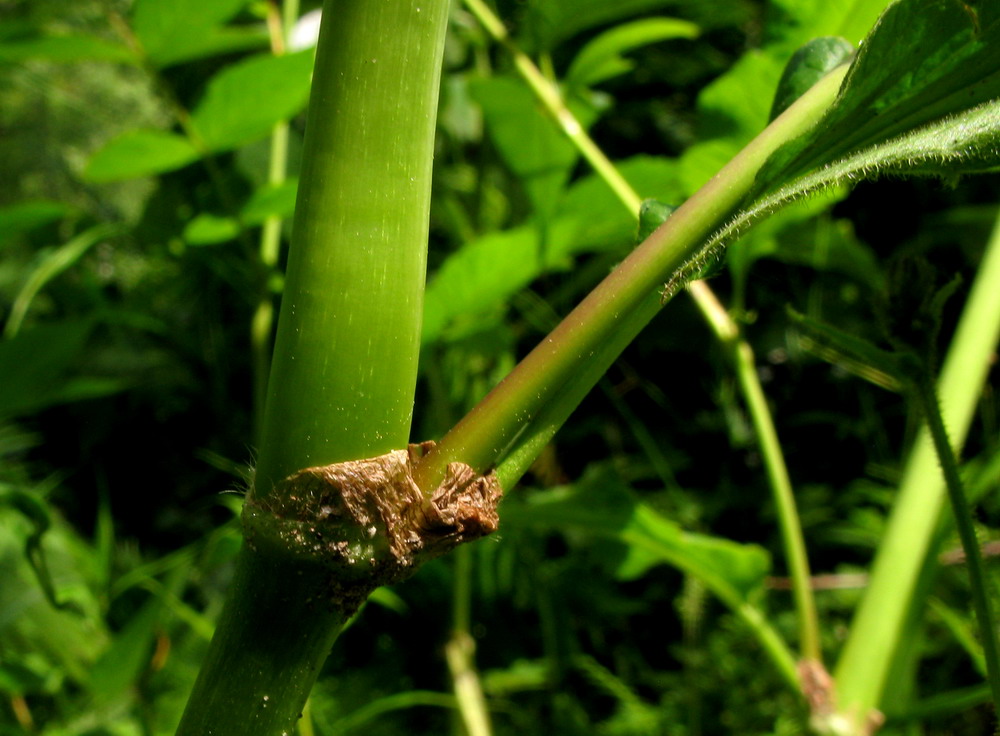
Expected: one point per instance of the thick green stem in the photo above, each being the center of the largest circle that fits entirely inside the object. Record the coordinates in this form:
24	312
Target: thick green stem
966	533
344	369
267	650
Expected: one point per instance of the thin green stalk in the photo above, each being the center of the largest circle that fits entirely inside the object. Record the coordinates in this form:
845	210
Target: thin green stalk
875	632
262	323
796	556
966	533
550	97
460	651
344	369
725	329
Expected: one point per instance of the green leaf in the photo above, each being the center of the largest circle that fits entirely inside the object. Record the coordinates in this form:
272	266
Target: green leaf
51	266
246	100
924	60
807	66
209	229
27	216
797	236
652	214
529	141
796	21
854	354
64	49
485	272
733	109
140	153
271	201
34	365
599	504
550	22
919	99
172	31
602	57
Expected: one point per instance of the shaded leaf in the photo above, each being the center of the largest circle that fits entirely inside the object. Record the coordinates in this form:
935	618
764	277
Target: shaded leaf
140	153
64	49
599	504
51	266
26	216
807	66
855	354
246	100
34	364
602	57
271	201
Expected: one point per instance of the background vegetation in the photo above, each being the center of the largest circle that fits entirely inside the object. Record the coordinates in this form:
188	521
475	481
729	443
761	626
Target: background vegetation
131	278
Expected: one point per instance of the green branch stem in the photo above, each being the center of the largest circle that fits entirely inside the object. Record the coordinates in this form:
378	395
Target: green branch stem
721	323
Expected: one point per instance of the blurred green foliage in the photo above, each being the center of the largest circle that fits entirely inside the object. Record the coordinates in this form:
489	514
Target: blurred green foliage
125	390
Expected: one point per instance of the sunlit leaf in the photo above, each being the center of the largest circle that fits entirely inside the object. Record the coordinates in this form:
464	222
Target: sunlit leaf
208	229
798	21
246	100
925	60
180	30
487	271
528	139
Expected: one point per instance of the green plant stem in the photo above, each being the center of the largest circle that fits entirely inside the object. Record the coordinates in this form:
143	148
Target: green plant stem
344	369
268	642
619	306
966	533
460	651
345	359
875	632
722	324
796	556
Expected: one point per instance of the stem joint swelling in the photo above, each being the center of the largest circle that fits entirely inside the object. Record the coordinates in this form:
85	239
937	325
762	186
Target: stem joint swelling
366	523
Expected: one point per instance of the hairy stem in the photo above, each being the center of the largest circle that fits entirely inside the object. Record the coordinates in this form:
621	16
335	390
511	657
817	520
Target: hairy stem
722	325
876	631
966	533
